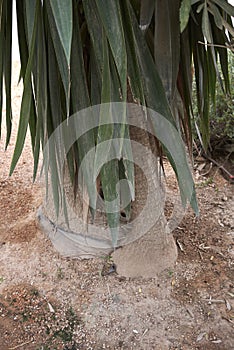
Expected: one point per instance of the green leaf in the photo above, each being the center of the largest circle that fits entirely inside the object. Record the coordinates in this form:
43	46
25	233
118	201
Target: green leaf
147	10
1	65
95	30
185	8
110	14
220	38
120	139
41	91
167	44
206	24
184	85
168	136
200	7
7	65
62	13
30	7
200	58
55	94
134	71
109	179
149	75
23	49
212	74
26	99
95	80
62	55
79	100
225	6
111	17
105	132
22	37
217	16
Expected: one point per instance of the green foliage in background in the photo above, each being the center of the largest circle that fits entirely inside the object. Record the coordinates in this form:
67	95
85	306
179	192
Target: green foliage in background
221	108
222	111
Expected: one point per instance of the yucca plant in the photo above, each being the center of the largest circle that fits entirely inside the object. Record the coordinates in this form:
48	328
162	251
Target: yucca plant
79	53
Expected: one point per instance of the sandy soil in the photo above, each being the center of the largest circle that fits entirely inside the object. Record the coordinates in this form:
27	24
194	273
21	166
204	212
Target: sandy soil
49	302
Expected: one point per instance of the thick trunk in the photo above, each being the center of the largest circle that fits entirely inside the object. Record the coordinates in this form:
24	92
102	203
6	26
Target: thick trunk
156	250
146	247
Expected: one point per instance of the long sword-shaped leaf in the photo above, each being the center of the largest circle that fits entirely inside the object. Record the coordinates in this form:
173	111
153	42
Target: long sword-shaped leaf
206	24
184	86
7	66
105	132
95	79
153	87
127	151
110	170
62	13
185	8
59	36
147	11
111	17
95	30
202	79
26	99
134	71
212	73
217	15
23	49
227	7
2	24
79	100
167	44
41	84
221	39
151	80
110	179
110	14
28	12
30	7
22	37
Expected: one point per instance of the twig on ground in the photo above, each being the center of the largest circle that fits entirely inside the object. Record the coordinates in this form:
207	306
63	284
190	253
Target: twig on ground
20	345
220	166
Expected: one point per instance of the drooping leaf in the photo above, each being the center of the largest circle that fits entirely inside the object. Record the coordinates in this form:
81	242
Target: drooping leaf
217	15
7	9
30	7
206	24
221	39
22	37
26	99
62	13
41	91
152	83
80	99
61	40
95	30
110	178
152	88
147	11
227	7
110	14
185	8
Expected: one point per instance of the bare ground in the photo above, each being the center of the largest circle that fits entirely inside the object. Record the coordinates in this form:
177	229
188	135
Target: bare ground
49	302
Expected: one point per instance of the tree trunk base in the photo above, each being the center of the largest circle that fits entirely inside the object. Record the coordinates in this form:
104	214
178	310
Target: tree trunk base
148	256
